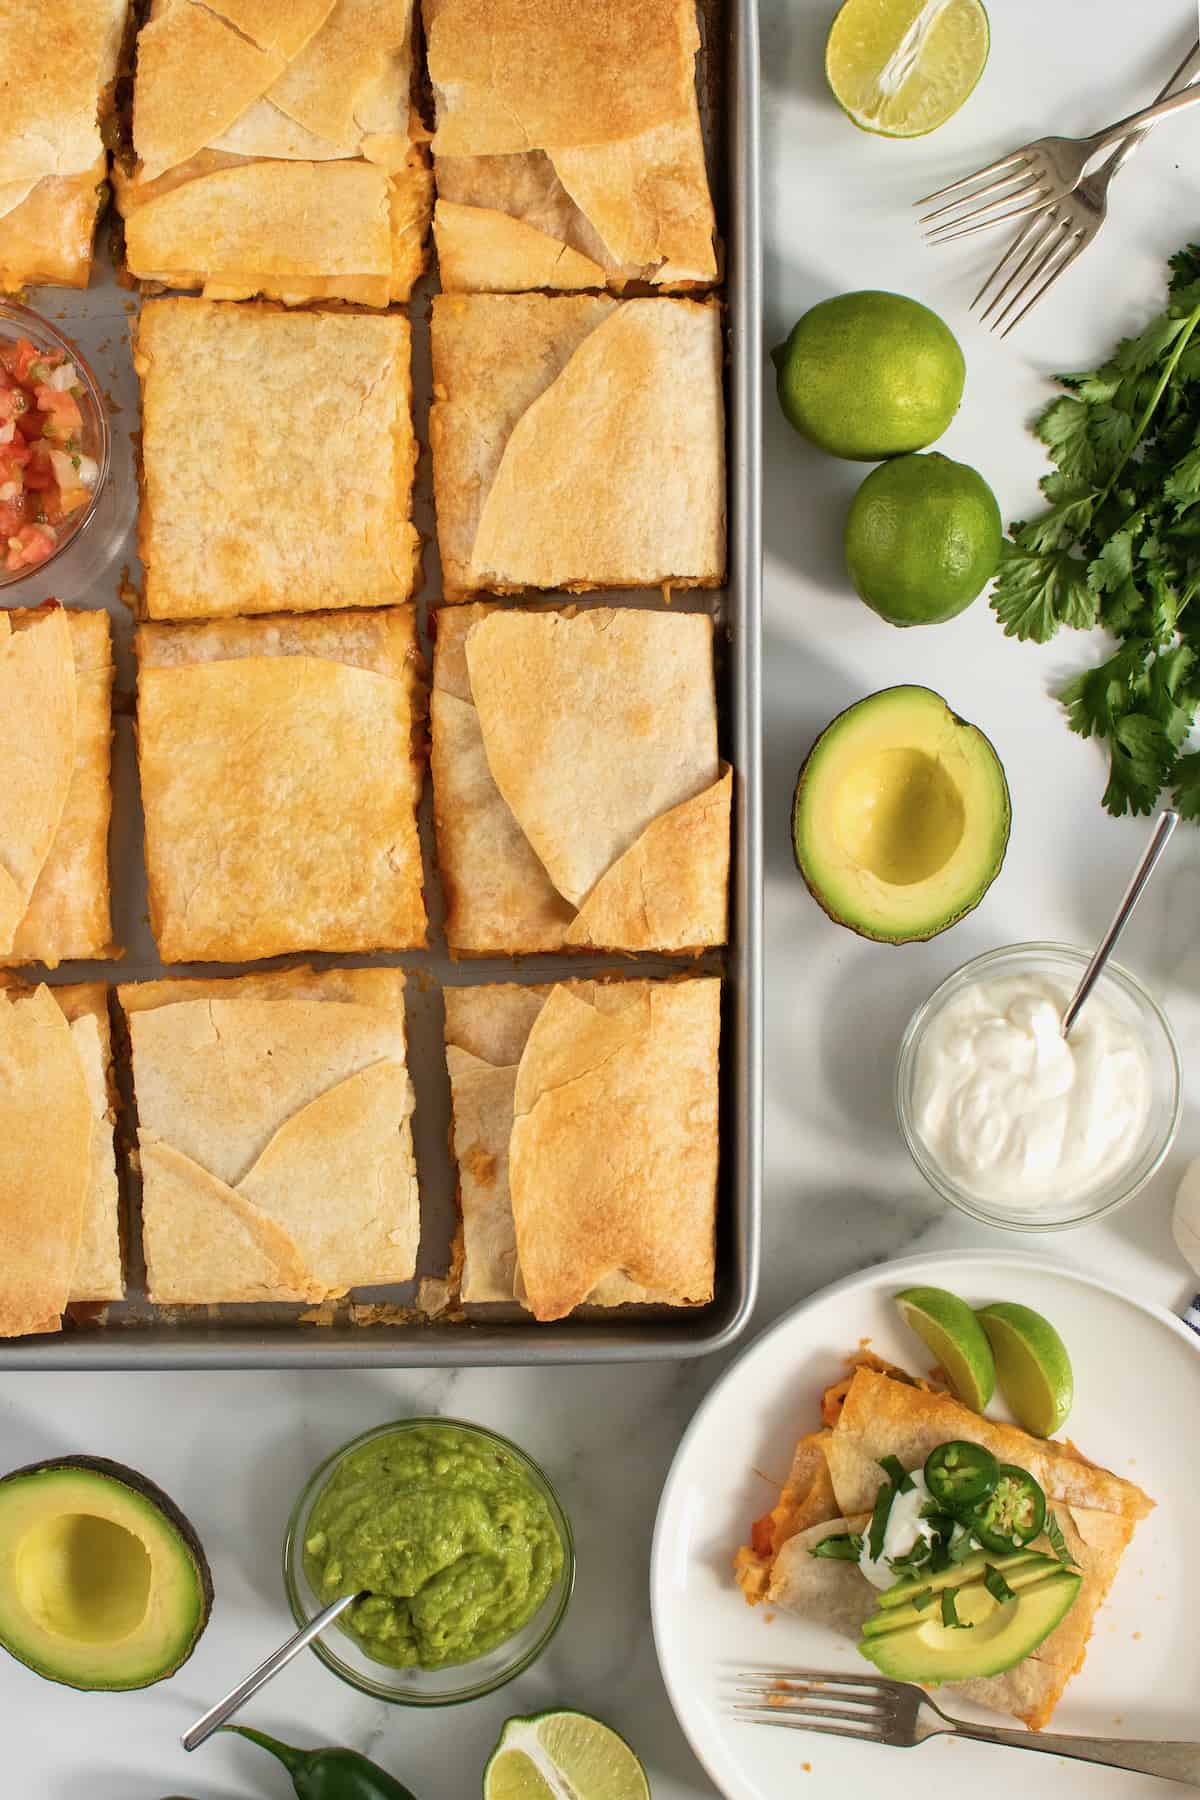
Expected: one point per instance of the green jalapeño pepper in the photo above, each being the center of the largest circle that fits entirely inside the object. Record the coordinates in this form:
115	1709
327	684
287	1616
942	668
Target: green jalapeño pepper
329	1774
1012	1515
959	1474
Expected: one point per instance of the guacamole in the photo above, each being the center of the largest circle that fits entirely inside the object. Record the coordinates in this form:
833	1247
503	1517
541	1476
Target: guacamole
446	1537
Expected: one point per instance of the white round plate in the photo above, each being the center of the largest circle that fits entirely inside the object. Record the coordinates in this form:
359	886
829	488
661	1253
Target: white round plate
1137	1411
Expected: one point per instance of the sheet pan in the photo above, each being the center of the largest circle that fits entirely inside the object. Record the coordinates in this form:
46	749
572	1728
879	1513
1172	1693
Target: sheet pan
135	1335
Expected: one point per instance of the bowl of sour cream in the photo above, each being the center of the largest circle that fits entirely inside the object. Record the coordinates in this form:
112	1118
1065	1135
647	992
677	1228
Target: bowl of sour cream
1018	1126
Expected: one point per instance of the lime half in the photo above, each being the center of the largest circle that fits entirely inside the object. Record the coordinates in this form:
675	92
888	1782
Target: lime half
553	1753
901	68
955	1336
1032	1366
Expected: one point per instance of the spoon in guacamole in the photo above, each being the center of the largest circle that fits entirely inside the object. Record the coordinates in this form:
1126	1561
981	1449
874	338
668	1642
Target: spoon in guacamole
266	1671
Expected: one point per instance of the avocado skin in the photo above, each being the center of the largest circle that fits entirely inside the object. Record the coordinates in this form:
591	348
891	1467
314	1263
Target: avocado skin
121	1475
969	906
903	1654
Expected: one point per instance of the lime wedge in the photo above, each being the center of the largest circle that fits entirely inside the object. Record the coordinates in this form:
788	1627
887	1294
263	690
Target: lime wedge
1032	1366
542	1757
955	1336
901	68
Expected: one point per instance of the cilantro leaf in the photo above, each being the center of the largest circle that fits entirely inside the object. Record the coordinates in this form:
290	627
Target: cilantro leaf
1167	694
1141	760
1184	267
950	1611
1064	429
1058	1542
1186	786
1097	698
1036	593
1109	571
841	1546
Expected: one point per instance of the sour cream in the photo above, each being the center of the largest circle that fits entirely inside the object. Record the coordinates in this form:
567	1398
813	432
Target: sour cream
1013	1112
905	1527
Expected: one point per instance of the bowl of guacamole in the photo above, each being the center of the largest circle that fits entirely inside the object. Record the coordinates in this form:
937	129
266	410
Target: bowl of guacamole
457	1546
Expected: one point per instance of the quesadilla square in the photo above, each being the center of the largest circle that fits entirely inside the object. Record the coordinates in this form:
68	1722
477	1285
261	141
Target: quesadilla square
832	1490
299	503
585	1134
60	1235
578	442
56	106
277	150
579	799
56	676
568	151
274	1134
281	769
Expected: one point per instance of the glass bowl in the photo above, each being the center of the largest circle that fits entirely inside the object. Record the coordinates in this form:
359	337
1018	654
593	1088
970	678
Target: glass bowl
1130	1001
19	321
427	1687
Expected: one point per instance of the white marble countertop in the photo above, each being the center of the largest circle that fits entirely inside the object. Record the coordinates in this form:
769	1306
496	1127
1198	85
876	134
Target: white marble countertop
840	1193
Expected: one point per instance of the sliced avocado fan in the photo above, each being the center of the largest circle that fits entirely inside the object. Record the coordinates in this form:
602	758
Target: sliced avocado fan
103	1583
978	1634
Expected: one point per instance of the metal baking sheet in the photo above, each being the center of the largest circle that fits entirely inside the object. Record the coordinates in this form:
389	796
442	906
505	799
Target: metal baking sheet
94	572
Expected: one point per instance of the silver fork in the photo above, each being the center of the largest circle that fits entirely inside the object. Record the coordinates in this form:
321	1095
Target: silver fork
1052	239
878	1711
1044	171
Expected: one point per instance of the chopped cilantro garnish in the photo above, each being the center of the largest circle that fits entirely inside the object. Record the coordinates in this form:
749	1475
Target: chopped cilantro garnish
842	1546
922	1600
996	1585
897	1474
1058	1542
879	1518
950	1616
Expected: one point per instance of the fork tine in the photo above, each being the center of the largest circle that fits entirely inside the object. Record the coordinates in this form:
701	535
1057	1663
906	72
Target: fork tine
804	1696
818	1678
749	1716
1077	246
987	216
1045	249
1004	181
843	1715
1020	239
979	175
1042	227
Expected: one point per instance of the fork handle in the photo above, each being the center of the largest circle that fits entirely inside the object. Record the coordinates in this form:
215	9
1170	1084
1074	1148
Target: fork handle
1183	77
1172	1761
1149	115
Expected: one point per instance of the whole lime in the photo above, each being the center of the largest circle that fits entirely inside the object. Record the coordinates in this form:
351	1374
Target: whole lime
870	375
923	538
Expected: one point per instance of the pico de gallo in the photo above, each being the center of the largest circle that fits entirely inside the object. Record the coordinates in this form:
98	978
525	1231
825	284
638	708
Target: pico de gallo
45	476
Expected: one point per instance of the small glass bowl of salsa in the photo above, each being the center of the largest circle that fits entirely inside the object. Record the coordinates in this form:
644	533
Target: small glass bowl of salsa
54	443
461	1546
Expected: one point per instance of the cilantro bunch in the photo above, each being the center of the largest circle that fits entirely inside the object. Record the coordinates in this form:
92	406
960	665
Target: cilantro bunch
1119	546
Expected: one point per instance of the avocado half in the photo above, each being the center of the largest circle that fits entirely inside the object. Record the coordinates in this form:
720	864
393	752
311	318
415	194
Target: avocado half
901	816
103	1583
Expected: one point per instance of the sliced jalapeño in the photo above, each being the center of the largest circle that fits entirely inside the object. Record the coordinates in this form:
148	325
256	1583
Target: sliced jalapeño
960	1474
1012	1515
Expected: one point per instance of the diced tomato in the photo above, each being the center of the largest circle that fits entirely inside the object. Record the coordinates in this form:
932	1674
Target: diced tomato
13	458
20	357
12	517
28	546
64	420
39	470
